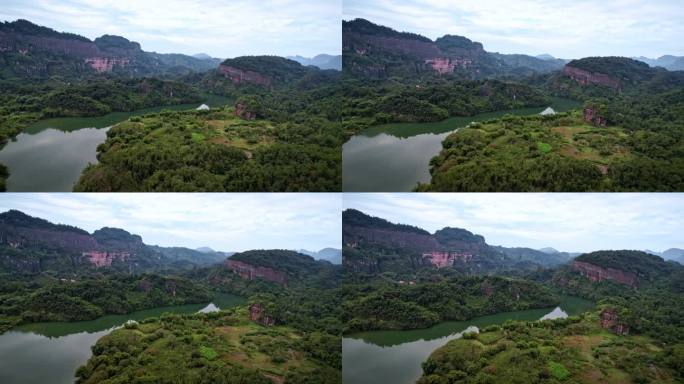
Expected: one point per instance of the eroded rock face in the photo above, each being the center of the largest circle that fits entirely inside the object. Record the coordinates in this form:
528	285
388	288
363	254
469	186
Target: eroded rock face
258	314
106	64
610	320
239	76
596	273
585	78
591	116
445	65
104	258
251	272
242	111
446	259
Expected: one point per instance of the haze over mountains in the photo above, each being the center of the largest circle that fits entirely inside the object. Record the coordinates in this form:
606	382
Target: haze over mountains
322	61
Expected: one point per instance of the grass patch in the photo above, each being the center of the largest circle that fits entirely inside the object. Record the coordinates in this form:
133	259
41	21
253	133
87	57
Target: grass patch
208	353
558	370
544	147
197	137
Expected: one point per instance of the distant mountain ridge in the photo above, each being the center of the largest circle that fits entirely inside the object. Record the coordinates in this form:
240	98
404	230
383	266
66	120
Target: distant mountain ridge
669	62
333	255
374	51
675	254
33	245
322	61
29	50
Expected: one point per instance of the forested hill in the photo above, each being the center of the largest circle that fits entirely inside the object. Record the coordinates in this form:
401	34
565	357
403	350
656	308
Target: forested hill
645	266
378	52
356	218
373	245
32	51
295	265
30	245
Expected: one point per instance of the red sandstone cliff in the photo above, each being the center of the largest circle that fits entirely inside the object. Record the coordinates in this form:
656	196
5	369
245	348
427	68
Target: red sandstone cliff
251	272
239	76
585	78
596	273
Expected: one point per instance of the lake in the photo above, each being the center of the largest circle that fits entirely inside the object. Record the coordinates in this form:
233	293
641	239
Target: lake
396	157
51	352
396	356
50	155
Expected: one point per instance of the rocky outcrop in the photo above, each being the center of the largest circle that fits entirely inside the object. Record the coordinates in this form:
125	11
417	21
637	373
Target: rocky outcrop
610	319
258	314
445	65
585	78
243	111
446	259
239	76
591	116
251	272
106	64
104	258
596	273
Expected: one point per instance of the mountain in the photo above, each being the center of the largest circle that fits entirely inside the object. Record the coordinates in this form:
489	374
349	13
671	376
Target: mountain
374	51
545	56
191	255
332	255
374	245
266	72
674	254
669	62
28	50
33	245
631	268
548	250
202	56
282	267
321	61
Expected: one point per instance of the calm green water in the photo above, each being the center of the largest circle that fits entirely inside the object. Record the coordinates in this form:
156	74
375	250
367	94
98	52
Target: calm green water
395	356
51	352
50	155
396	157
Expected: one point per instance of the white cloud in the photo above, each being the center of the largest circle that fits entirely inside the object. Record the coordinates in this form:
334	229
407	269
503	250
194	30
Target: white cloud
564	28
218	27
227	221
570	222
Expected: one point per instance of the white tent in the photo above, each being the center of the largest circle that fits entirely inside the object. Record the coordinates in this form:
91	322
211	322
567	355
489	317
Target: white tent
548	111
203	107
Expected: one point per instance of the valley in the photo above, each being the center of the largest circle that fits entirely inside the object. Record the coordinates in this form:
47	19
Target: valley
396	356
449	307
53	351
50	155
619	128
48	74
261	315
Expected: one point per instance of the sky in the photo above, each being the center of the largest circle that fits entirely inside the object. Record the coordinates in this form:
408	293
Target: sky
230	222
579	222
568	29
220	28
